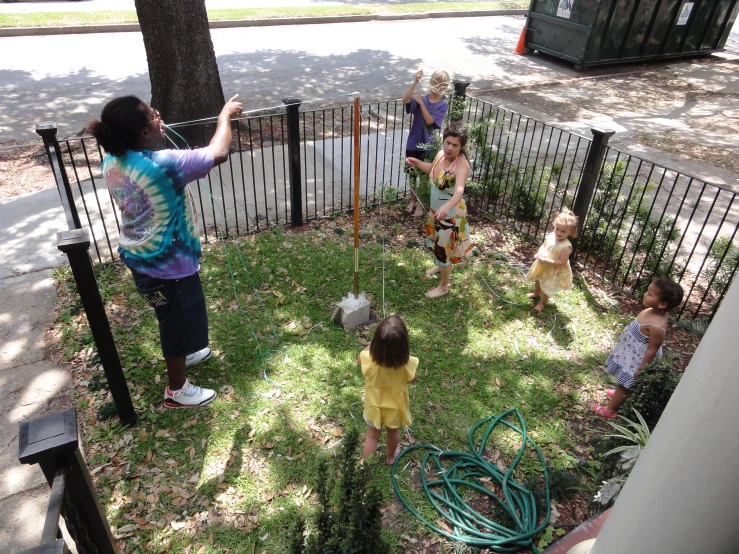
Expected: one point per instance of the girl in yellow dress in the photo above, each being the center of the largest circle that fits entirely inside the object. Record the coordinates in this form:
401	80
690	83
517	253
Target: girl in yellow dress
551	271
388	368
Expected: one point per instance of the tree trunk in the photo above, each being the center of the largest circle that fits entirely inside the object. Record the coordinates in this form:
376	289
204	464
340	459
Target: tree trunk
185	84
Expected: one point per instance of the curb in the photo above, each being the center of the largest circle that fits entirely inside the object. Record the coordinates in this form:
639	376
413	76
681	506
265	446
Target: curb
227	24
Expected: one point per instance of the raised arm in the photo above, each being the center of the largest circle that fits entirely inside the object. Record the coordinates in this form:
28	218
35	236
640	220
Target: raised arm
220	144
409	92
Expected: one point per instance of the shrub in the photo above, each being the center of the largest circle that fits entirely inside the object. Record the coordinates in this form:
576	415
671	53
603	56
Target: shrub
348	518
723	257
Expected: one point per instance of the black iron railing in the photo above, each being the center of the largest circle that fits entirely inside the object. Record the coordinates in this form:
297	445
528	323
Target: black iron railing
51	442
294	164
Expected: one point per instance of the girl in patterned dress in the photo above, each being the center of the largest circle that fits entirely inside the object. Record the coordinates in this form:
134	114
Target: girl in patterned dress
551	271
447	231
640	341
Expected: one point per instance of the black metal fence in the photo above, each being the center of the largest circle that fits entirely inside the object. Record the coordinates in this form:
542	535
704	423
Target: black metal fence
642	219
51	442
296	164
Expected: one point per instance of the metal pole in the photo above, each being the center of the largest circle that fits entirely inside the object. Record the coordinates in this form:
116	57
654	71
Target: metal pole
356	195
47	131
75	245
293	155
52	443
589	177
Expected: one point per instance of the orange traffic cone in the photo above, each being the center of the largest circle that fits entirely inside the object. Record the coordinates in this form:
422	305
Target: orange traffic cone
521	42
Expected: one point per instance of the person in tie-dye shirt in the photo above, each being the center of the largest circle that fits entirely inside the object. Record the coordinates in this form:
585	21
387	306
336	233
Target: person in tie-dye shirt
159	238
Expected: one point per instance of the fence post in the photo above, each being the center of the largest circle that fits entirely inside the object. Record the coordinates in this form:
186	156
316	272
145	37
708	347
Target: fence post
47	131
589	177
458	100
51	442
75	245
293	155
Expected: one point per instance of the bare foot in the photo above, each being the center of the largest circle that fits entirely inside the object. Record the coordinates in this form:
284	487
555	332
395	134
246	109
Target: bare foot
433	271
532	295
438	291
539	307
410	207
391	462
418	212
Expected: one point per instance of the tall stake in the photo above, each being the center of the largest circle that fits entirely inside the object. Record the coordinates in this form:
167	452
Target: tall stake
356	195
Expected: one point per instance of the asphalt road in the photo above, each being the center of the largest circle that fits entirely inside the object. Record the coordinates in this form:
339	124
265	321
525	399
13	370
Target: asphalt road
68	78
35	6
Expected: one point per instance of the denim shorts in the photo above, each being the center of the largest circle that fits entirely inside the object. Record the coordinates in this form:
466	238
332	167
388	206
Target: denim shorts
180	308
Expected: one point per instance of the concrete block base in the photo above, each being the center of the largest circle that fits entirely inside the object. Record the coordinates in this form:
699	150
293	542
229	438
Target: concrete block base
352	312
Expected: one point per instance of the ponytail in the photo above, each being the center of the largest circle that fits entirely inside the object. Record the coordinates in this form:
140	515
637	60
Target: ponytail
120	125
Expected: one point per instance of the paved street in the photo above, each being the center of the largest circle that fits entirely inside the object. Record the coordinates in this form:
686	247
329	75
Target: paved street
69	78
50	6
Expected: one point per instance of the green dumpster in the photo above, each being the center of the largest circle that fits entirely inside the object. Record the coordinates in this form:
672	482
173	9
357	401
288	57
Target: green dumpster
598	32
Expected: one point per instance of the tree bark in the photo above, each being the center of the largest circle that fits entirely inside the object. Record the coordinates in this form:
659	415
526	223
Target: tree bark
185	83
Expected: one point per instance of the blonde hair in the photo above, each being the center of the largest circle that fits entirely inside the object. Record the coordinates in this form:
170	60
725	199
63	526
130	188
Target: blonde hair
566	217
441	77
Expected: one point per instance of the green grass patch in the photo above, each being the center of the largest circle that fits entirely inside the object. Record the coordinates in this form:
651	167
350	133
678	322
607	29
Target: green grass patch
117	17
235	475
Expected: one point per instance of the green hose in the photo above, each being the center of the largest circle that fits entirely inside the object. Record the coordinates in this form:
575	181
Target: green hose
467	470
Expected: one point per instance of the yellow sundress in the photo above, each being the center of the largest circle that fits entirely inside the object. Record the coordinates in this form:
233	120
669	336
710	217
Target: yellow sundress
552	278
386	399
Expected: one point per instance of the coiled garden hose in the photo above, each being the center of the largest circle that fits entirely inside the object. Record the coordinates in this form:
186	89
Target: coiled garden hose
466	470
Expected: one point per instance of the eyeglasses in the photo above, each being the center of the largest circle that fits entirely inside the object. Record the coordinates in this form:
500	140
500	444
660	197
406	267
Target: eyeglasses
157	117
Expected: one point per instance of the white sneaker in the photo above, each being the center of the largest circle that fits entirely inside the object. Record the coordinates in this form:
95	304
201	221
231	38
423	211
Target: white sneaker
189	396
198	357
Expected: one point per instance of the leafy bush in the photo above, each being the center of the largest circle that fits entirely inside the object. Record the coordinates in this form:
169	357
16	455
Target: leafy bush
649	397
652	390
723	257
348	518
615	217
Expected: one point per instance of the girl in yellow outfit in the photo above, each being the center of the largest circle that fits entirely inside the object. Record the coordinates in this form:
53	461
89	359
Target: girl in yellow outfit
551	271
388	368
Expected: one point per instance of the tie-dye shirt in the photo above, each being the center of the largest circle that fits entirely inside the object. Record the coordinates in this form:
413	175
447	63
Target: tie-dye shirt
159	228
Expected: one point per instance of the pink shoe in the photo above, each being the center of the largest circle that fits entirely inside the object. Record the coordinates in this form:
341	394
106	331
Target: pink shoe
602	411
610	392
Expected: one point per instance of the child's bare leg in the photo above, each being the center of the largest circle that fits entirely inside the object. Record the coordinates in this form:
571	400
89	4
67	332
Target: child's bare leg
537	291
433	271
619	397
543	302
393	445
370	442
443	288
412	202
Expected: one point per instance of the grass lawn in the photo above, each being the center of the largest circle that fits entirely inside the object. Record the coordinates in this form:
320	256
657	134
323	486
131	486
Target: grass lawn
231	477
117	17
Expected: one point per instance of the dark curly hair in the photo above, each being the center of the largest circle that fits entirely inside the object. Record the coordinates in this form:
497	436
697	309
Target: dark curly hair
669	291
390	346
120	125
458	130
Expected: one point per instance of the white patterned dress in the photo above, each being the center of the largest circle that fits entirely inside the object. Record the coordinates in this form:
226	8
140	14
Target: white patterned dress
629	352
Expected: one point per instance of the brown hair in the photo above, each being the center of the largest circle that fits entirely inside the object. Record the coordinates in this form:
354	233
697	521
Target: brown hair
566	217
390	346
458	130
669	291
120	125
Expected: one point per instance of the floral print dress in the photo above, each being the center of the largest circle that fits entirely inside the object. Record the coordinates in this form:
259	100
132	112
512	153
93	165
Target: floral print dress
449	238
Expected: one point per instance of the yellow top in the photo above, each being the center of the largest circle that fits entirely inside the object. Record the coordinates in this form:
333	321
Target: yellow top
386	392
